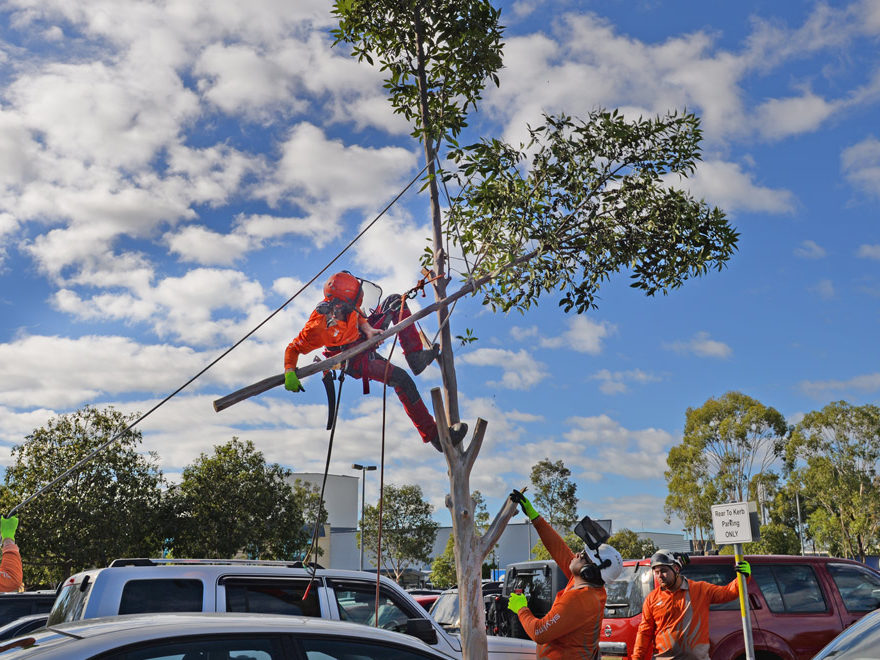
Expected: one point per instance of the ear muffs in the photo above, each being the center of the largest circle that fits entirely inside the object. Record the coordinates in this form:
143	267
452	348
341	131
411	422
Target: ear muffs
592	573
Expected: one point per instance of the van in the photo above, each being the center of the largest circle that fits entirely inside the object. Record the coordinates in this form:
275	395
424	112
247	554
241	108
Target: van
798	604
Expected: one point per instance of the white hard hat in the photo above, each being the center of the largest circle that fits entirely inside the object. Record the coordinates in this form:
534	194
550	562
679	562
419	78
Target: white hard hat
611	557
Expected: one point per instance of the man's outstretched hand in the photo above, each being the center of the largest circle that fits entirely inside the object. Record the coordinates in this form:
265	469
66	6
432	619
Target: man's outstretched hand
518	498
8	527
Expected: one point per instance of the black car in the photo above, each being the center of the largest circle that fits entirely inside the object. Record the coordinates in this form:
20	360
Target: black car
15	605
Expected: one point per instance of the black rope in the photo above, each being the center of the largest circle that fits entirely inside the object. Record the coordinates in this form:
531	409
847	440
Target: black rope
113	439
313	548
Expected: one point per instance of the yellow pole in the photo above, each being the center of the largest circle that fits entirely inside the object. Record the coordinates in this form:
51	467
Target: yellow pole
744	604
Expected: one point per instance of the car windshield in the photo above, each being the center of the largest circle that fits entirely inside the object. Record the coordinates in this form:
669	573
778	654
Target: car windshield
70	603
445	610
861	640
627	593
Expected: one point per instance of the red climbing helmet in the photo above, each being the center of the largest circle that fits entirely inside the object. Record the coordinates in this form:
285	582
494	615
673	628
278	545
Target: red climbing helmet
344	286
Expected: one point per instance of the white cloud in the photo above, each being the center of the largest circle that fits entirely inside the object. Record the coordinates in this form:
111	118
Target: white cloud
609	448
809	250
320	171
868	251
520	370
583	335
820	389
861	165
615	382
781	118
727	186
701	345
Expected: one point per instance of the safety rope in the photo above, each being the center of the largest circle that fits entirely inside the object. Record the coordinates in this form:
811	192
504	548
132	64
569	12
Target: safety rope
313	548
113	439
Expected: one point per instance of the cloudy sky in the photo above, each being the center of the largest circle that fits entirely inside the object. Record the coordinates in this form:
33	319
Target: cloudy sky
171	172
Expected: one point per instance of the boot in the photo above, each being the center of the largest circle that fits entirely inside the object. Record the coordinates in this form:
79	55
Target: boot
456	434
419	360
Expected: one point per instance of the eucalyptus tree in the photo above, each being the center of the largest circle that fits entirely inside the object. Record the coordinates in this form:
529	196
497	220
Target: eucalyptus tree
579	201
833	454
555	492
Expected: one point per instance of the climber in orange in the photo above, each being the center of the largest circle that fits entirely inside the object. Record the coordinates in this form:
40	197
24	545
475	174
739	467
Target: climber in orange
338	323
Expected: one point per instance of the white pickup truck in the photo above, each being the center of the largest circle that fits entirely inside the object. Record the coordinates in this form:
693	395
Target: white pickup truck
132	586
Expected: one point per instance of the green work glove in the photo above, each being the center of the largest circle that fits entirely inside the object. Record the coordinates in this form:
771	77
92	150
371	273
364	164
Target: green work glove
516	602
743	568
525	505
291	382
8	527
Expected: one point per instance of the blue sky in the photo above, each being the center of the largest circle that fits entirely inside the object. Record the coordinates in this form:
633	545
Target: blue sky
171	172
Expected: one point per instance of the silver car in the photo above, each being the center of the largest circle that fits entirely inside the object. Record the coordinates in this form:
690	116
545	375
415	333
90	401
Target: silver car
218	636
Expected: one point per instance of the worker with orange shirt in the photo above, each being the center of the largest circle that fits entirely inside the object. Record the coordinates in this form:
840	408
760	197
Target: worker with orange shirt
338	323
570	630
10	566
675	615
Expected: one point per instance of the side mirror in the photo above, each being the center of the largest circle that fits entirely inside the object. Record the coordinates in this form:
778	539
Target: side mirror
421	629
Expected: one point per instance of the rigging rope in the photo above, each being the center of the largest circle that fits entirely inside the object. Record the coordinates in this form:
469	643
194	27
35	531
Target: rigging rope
113	439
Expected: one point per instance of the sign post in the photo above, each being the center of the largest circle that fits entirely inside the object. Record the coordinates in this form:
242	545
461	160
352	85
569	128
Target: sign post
736	523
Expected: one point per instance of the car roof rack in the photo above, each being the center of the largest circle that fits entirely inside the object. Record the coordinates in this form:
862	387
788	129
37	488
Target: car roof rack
161	561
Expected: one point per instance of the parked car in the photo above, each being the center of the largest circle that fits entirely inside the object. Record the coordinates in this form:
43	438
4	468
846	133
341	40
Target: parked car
445	609
861	641
538	580
136	586
797	604
425	597
23	625
210	636
14	605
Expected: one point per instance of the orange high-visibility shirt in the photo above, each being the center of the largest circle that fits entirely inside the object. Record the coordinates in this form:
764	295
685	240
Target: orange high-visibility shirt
676	624
315	334
570	630
10	568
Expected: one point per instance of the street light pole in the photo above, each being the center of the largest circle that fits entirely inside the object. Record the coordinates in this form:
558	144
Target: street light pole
364	469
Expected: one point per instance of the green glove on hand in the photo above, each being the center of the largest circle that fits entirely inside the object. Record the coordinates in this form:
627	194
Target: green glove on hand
291	382
8	527
516	602
744	568
526	506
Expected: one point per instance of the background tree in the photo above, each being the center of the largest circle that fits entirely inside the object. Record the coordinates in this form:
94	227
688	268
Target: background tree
572	540
233	501
832	455
443	566
408	530
580	201
109	509
691	492
554	493
727	442
630	545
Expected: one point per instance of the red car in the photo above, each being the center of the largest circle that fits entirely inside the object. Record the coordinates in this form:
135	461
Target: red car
798	604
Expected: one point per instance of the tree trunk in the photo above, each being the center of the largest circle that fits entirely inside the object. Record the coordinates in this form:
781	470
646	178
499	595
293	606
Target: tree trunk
469	548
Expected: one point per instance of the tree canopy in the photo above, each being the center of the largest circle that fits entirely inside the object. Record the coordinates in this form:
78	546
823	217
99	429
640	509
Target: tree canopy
408	530
630	545
555	493
833	455
233	501
108	509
